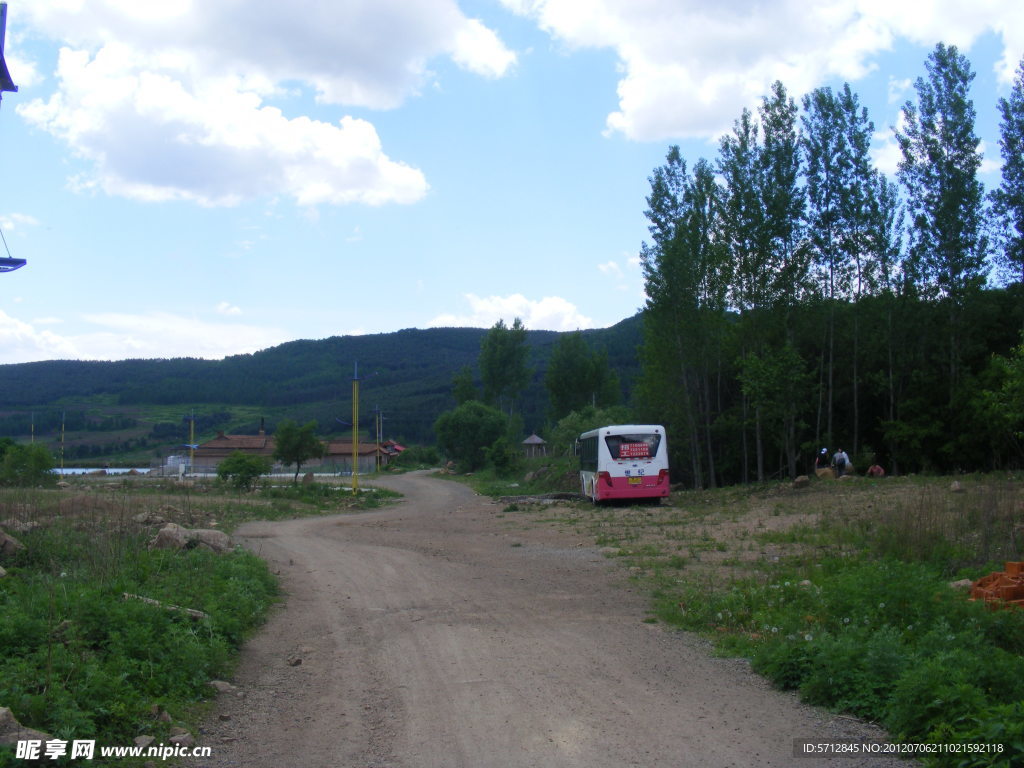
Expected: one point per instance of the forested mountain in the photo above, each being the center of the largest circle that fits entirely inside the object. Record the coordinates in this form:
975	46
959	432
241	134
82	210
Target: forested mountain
407	374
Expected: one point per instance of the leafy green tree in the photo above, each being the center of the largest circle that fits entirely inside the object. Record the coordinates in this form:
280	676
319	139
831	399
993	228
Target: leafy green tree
1009	197
27	465
828	176
505	456
463	388
939	172
743	218
686	272
503	363
296	445
1006	404
576	376
744	232
783	201
776	383
895	301
787	256
242	470
861	213
464	433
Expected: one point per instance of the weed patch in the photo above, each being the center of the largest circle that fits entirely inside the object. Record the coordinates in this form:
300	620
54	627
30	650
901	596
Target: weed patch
78	659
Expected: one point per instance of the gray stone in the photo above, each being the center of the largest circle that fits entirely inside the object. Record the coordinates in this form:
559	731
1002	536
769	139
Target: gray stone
11	731
174	536
9	545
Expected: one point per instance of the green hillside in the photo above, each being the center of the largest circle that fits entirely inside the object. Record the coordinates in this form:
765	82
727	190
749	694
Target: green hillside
136	409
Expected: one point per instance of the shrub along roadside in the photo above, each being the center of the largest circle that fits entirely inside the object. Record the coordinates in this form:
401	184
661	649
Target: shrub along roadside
77	660
886	640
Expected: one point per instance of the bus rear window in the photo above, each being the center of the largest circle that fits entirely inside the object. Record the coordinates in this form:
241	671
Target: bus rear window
633	446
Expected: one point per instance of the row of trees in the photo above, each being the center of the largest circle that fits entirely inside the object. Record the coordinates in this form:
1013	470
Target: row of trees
797	297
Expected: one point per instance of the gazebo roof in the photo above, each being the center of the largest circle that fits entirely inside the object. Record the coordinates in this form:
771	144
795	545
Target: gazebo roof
534	440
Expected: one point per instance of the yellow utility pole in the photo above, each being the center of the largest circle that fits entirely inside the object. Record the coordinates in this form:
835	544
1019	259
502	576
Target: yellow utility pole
355	430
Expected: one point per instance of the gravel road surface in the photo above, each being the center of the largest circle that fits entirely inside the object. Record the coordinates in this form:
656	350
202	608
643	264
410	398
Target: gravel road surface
437	634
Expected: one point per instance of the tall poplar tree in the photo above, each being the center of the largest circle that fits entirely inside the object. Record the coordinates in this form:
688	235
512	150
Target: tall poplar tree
788	260
503	363
743	233
859	209
685	269
827	171
577	377
783	200
939	172
1009	197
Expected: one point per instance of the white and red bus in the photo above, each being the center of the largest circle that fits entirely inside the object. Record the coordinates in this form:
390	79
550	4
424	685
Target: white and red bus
625	461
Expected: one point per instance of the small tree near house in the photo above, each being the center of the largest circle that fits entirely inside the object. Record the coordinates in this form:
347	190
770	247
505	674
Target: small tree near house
296	445
242	470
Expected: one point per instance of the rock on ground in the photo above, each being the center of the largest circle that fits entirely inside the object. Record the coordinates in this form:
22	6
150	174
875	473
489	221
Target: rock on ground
174	536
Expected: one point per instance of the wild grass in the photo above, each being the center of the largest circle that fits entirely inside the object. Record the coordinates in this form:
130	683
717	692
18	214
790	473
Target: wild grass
77	658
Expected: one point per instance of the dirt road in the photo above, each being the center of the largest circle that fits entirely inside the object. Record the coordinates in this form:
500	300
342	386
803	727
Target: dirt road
435	634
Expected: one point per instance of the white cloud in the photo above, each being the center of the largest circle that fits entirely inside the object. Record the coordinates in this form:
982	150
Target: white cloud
549	313
227	308
991	162
10	222
169	101
625	273
114	336
354	52
689	66
898	89
479	50
886	153
21	342
152	137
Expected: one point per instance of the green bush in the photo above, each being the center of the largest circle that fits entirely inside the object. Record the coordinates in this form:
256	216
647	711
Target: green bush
418	456
242	470
464	433
506	458
78	659
26	465
1001	724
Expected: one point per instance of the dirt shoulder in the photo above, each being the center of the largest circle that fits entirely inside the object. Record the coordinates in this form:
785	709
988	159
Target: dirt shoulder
433	634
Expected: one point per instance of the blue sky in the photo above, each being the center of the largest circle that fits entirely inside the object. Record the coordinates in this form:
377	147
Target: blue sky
210	177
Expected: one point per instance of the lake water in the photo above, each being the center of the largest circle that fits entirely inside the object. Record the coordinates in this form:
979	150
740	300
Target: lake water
108	470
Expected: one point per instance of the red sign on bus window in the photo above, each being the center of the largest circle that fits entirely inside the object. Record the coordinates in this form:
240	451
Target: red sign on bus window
634	451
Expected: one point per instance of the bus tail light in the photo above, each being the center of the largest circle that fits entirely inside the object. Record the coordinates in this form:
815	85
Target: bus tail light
662	476
606	477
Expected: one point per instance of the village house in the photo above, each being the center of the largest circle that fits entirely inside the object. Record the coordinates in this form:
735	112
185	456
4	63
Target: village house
336	460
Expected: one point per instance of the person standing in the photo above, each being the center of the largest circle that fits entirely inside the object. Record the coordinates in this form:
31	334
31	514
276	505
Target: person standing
822	461
840	461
